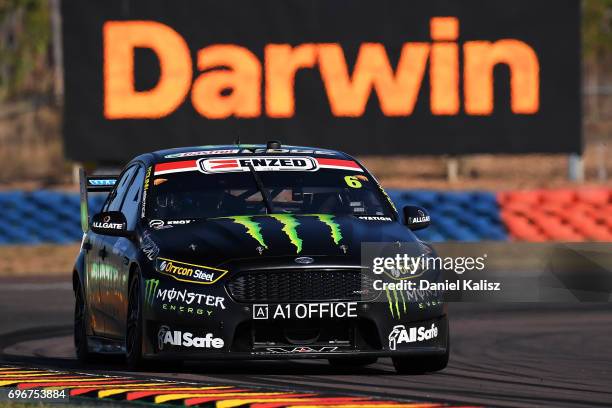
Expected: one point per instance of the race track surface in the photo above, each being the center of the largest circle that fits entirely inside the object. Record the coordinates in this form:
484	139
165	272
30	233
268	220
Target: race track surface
507	355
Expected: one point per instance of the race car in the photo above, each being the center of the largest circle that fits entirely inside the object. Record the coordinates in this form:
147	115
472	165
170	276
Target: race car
251	252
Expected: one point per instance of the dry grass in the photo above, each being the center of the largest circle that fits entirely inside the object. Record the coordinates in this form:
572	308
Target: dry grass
21	260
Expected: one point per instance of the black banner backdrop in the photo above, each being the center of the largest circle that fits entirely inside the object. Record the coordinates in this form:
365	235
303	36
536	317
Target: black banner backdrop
366	77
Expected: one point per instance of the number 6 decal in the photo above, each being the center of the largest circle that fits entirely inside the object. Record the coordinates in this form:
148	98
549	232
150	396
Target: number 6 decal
352	181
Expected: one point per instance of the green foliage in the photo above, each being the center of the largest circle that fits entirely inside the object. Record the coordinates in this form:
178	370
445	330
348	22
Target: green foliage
597	27
25	33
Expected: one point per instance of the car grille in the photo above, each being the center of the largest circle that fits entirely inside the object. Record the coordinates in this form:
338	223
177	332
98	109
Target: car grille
301	285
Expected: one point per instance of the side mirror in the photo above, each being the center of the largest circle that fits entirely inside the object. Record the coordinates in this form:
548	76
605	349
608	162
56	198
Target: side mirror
110	223
416	218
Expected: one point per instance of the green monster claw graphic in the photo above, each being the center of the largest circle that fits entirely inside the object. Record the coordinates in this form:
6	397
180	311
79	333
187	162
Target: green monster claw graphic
403	301
150	288
253	228
394	300
290	224
333	226
390	302
394	303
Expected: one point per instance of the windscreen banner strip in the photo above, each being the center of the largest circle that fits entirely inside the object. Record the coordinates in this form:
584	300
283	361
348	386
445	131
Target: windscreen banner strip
267	163
338	164
176	167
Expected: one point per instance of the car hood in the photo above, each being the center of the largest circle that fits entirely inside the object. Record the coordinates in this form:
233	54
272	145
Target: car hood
220	240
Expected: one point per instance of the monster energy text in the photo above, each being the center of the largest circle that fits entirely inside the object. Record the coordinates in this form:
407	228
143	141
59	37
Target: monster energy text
184	296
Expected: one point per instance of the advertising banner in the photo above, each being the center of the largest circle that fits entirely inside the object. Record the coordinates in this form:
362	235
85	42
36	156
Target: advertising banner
365	77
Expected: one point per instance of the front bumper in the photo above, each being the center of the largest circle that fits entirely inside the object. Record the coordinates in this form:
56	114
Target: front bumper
208	312
415	351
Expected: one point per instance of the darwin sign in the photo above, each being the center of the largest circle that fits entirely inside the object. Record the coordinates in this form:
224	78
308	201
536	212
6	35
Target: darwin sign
376	77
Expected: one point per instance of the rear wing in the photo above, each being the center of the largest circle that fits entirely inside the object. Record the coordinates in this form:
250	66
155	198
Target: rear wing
93	184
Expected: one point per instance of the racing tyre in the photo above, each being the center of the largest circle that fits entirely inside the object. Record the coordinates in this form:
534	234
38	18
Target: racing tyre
134	326
421	364
352	362
80	327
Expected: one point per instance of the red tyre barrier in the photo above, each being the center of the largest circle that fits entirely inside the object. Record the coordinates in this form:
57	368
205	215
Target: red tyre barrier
558	215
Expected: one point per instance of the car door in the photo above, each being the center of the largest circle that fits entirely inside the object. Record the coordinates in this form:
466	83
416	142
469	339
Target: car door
98	268
121	253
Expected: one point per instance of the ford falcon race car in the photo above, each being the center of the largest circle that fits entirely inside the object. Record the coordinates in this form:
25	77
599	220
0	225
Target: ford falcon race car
249	252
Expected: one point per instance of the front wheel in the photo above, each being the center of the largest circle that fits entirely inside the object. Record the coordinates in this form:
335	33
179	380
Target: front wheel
422	364
134	324
80	327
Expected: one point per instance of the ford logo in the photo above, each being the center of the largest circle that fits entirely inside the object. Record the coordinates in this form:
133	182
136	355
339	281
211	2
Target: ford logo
304	260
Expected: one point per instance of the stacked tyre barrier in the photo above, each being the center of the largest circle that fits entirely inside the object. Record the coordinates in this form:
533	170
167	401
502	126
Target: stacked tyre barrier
42	216
558	215
538	215
456	216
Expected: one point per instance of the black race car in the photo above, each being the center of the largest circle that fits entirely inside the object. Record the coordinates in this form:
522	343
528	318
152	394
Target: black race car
250	252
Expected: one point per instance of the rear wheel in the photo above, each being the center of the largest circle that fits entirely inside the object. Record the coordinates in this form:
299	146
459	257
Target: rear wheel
352	362
80	327
134	325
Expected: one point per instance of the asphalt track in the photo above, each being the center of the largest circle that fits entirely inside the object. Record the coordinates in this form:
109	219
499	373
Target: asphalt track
510	355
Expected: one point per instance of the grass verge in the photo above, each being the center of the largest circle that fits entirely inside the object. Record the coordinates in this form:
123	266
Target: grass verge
24	260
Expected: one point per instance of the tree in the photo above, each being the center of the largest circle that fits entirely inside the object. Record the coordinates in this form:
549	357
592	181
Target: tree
24	44
597	28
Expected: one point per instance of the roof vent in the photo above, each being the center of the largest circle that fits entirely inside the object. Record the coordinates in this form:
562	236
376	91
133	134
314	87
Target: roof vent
273	144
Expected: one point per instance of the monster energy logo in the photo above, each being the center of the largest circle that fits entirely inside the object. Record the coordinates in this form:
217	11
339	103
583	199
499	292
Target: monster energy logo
398	304
333	226
290	224
394	303
252	227
150	288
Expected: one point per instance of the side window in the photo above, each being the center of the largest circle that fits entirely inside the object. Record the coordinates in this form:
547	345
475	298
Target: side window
132	199
113	202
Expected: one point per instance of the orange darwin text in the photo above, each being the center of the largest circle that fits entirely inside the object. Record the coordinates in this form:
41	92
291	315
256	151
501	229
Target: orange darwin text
226	80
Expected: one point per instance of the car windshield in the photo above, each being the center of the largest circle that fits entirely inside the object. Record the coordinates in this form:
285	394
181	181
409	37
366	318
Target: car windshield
197	195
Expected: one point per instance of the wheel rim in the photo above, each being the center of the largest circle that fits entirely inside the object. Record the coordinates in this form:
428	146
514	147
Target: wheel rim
133	316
